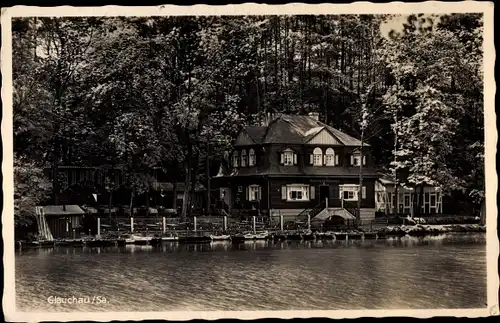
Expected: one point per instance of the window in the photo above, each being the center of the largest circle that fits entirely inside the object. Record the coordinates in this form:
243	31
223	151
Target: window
317	157
295	192
330	157
243	158
254	193
288	157
240	189
356	159
235	159
350	192
251	160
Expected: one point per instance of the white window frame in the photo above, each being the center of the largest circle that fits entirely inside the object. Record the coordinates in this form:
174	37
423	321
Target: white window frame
251	157
303	189
354	188
288	156
254	193
330	157
236	158
317	157
356	159
243	156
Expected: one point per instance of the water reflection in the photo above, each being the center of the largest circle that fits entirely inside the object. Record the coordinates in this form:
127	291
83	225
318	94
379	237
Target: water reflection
445	271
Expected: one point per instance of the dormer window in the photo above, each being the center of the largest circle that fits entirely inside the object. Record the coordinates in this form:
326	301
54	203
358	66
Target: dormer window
317	157
251	158
288	157
356	159
243	158
235	159
330	157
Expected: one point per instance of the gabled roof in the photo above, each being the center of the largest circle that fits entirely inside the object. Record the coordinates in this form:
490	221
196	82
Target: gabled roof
296	129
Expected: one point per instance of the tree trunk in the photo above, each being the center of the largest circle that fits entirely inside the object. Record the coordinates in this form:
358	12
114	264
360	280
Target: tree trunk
483	212
174	202
147	200
360	188
208	179
185	200
192	188
131	207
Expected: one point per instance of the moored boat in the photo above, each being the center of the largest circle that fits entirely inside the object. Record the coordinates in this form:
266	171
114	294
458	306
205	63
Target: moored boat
222	237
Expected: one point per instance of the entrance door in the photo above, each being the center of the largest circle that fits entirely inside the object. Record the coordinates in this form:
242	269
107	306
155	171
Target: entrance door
324	192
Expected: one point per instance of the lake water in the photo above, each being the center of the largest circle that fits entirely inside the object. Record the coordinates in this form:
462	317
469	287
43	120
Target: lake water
409	273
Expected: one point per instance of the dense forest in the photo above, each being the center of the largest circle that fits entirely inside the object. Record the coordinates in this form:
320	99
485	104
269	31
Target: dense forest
171	92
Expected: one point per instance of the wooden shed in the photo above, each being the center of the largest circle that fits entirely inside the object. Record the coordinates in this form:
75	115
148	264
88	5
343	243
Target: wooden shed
64	221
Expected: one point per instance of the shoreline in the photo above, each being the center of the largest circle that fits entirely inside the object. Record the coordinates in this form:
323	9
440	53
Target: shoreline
382	233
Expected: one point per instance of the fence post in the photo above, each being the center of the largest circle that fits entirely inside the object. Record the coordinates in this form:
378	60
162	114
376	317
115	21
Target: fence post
194	218
253	221
225	223
308	221
281	222
98	228
371	225
132	224
164	225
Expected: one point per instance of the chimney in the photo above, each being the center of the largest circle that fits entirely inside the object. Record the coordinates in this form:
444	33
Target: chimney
314	115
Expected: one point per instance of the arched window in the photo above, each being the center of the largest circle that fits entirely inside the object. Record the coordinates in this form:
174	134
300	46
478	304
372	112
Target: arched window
317	157
243	158
288	157
330	157
251	160
235	159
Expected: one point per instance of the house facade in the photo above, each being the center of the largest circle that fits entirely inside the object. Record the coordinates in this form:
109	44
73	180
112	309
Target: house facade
293	165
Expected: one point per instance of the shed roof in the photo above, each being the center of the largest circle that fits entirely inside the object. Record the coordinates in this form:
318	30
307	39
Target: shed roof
57	210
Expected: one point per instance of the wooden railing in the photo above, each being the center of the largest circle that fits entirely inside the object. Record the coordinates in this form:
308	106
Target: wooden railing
312	212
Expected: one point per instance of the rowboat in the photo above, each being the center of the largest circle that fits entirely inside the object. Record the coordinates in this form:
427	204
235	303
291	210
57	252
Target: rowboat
220	237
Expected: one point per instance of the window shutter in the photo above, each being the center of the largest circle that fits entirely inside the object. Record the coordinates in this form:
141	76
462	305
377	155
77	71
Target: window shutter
312	192
248	193
364	160
352	160
363	192
295	159
282	158
259	193
336	159
311	159
283	192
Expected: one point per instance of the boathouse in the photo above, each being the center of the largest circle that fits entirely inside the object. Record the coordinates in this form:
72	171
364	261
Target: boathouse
295	165
63	221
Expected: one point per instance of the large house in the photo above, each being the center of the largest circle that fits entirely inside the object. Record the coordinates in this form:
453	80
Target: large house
294	165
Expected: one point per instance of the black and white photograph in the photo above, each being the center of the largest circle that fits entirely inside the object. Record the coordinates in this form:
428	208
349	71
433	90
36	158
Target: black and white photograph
286	159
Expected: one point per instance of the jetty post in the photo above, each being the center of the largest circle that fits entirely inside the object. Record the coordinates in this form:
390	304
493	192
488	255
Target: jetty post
308	221
225	223
132	224
281	222
164	225
194	222
253	220
98	228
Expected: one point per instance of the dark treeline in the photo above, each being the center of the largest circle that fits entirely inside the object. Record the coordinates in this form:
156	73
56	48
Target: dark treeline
136	93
